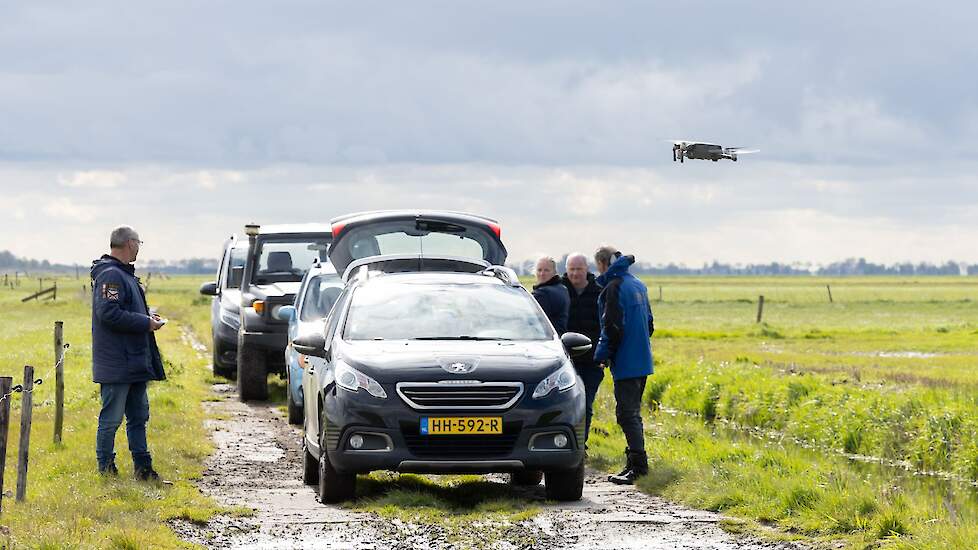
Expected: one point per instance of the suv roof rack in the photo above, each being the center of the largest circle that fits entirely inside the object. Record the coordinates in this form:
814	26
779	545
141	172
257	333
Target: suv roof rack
412	263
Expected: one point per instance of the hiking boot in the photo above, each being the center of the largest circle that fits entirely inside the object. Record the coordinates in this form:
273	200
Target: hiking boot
147	474
628	465
639	466
626	478
108	470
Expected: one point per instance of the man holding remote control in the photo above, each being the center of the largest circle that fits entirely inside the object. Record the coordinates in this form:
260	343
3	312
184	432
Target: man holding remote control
124	353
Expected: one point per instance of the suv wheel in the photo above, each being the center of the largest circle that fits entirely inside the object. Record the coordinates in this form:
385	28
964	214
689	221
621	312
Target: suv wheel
565	484
526	477
310	466
252	374
220	369
333	486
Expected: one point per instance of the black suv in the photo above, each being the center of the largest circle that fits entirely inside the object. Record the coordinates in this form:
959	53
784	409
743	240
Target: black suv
275	260
225	317
437	362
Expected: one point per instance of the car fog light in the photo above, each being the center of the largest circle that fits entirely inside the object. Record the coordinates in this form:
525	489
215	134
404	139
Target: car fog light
560	441
357	441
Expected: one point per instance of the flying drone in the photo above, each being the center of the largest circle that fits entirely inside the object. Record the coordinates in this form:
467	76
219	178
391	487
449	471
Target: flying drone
682	150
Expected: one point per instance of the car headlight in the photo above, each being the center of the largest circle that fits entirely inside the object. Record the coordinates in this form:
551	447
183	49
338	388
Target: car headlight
230	319
351	379
562	379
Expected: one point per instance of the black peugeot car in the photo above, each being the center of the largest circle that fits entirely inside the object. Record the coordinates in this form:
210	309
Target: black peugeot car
437	362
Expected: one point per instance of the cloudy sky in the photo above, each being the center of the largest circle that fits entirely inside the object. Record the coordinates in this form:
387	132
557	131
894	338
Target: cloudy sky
188	119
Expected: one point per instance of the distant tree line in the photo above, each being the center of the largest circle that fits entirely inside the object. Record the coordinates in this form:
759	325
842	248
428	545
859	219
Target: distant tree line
849	267
195	266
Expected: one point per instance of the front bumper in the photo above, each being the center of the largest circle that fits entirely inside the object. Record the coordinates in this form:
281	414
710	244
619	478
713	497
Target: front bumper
538	420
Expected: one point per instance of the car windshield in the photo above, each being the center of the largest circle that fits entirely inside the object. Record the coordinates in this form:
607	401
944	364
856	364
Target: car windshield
393	238
444	312
287	260
321	294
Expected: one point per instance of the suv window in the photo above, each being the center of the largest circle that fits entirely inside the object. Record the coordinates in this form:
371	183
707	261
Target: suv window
321	293
236	268
287	260
435	239
444	312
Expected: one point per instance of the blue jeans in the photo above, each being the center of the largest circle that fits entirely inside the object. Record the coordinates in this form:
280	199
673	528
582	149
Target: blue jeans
592	377
131	400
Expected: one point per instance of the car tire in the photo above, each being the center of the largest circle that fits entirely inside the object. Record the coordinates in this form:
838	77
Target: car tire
219	368
564	485
296	414
334	487
526	477
310	466
252	374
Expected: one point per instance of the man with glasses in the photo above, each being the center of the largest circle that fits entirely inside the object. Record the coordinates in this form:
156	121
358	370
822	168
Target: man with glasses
124	353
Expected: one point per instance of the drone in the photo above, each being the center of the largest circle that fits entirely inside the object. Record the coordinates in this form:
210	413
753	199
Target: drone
682	150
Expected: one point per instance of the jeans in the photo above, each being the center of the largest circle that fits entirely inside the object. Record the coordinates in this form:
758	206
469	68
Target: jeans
592	377
131	400
628	409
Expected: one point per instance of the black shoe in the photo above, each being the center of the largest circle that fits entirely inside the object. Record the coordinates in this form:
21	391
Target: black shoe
627	478
108	470
628	465
147	474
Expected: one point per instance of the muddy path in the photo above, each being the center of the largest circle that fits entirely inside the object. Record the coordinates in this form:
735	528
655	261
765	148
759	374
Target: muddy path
257	464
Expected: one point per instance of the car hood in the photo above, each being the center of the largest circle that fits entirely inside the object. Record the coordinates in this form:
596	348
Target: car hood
428	361
276	289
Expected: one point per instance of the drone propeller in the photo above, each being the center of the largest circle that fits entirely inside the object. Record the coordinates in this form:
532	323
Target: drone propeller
740	151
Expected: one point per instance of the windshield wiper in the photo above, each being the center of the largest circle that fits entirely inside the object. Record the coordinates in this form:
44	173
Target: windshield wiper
463	337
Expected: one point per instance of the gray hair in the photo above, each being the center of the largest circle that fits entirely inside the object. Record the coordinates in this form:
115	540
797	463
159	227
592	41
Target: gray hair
574	256
121	235
604	254
550	259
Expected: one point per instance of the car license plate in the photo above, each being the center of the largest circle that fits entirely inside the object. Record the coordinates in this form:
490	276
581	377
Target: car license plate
462	425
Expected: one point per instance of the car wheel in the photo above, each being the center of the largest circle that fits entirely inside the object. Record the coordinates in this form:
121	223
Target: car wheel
333	486
310	466
219	368
526	477
252	374
296	415
565	484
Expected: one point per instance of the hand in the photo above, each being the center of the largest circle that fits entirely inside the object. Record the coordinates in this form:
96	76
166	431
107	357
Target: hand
156	323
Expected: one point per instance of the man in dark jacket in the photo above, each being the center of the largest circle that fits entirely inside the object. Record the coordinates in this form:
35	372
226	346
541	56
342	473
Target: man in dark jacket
550	294
583	318
124	353
625	348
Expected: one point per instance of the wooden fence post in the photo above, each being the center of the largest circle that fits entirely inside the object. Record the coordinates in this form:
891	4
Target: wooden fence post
23	451
760	307
660	293
6	382
59	383
829	288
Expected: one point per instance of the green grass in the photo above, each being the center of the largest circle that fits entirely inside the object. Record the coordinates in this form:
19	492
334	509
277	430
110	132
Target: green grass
753	420
68	505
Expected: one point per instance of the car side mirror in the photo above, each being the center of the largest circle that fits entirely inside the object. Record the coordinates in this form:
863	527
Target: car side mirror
285	313
575	344
209	289
310	344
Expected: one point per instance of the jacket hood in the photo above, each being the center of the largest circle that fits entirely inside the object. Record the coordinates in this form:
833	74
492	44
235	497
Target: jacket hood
618	268
555	280
106	262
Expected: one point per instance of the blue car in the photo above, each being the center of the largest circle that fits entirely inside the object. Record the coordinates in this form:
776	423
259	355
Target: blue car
319	290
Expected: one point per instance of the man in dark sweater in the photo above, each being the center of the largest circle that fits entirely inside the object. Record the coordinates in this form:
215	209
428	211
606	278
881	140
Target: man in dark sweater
550	294
583	318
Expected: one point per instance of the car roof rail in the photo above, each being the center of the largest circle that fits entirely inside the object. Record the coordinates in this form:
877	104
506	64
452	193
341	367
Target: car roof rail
411	263
503	273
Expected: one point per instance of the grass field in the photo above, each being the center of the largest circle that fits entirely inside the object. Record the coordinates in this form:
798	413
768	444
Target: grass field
849	422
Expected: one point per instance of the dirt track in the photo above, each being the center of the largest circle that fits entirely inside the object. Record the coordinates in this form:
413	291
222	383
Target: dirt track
257	464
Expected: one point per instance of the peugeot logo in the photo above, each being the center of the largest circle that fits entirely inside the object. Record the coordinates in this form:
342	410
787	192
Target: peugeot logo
458	367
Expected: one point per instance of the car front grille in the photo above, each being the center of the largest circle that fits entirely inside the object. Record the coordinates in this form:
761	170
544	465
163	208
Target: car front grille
460	446
460	396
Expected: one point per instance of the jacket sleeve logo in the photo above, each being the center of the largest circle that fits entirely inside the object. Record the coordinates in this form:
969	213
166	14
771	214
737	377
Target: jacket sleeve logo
110	292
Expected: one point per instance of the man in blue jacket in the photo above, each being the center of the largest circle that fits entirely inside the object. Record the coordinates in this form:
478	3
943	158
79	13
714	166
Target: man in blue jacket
124	353
625	348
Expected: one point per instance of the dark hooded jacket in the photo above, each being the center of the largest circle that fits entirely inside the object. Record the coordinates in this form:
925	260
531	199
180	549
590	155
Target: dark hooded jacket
583	316
553	298
124	350
626	322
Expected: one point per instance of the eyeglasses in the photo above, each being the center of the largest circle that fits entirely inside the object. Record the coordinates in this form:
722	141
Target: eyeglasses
137	241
